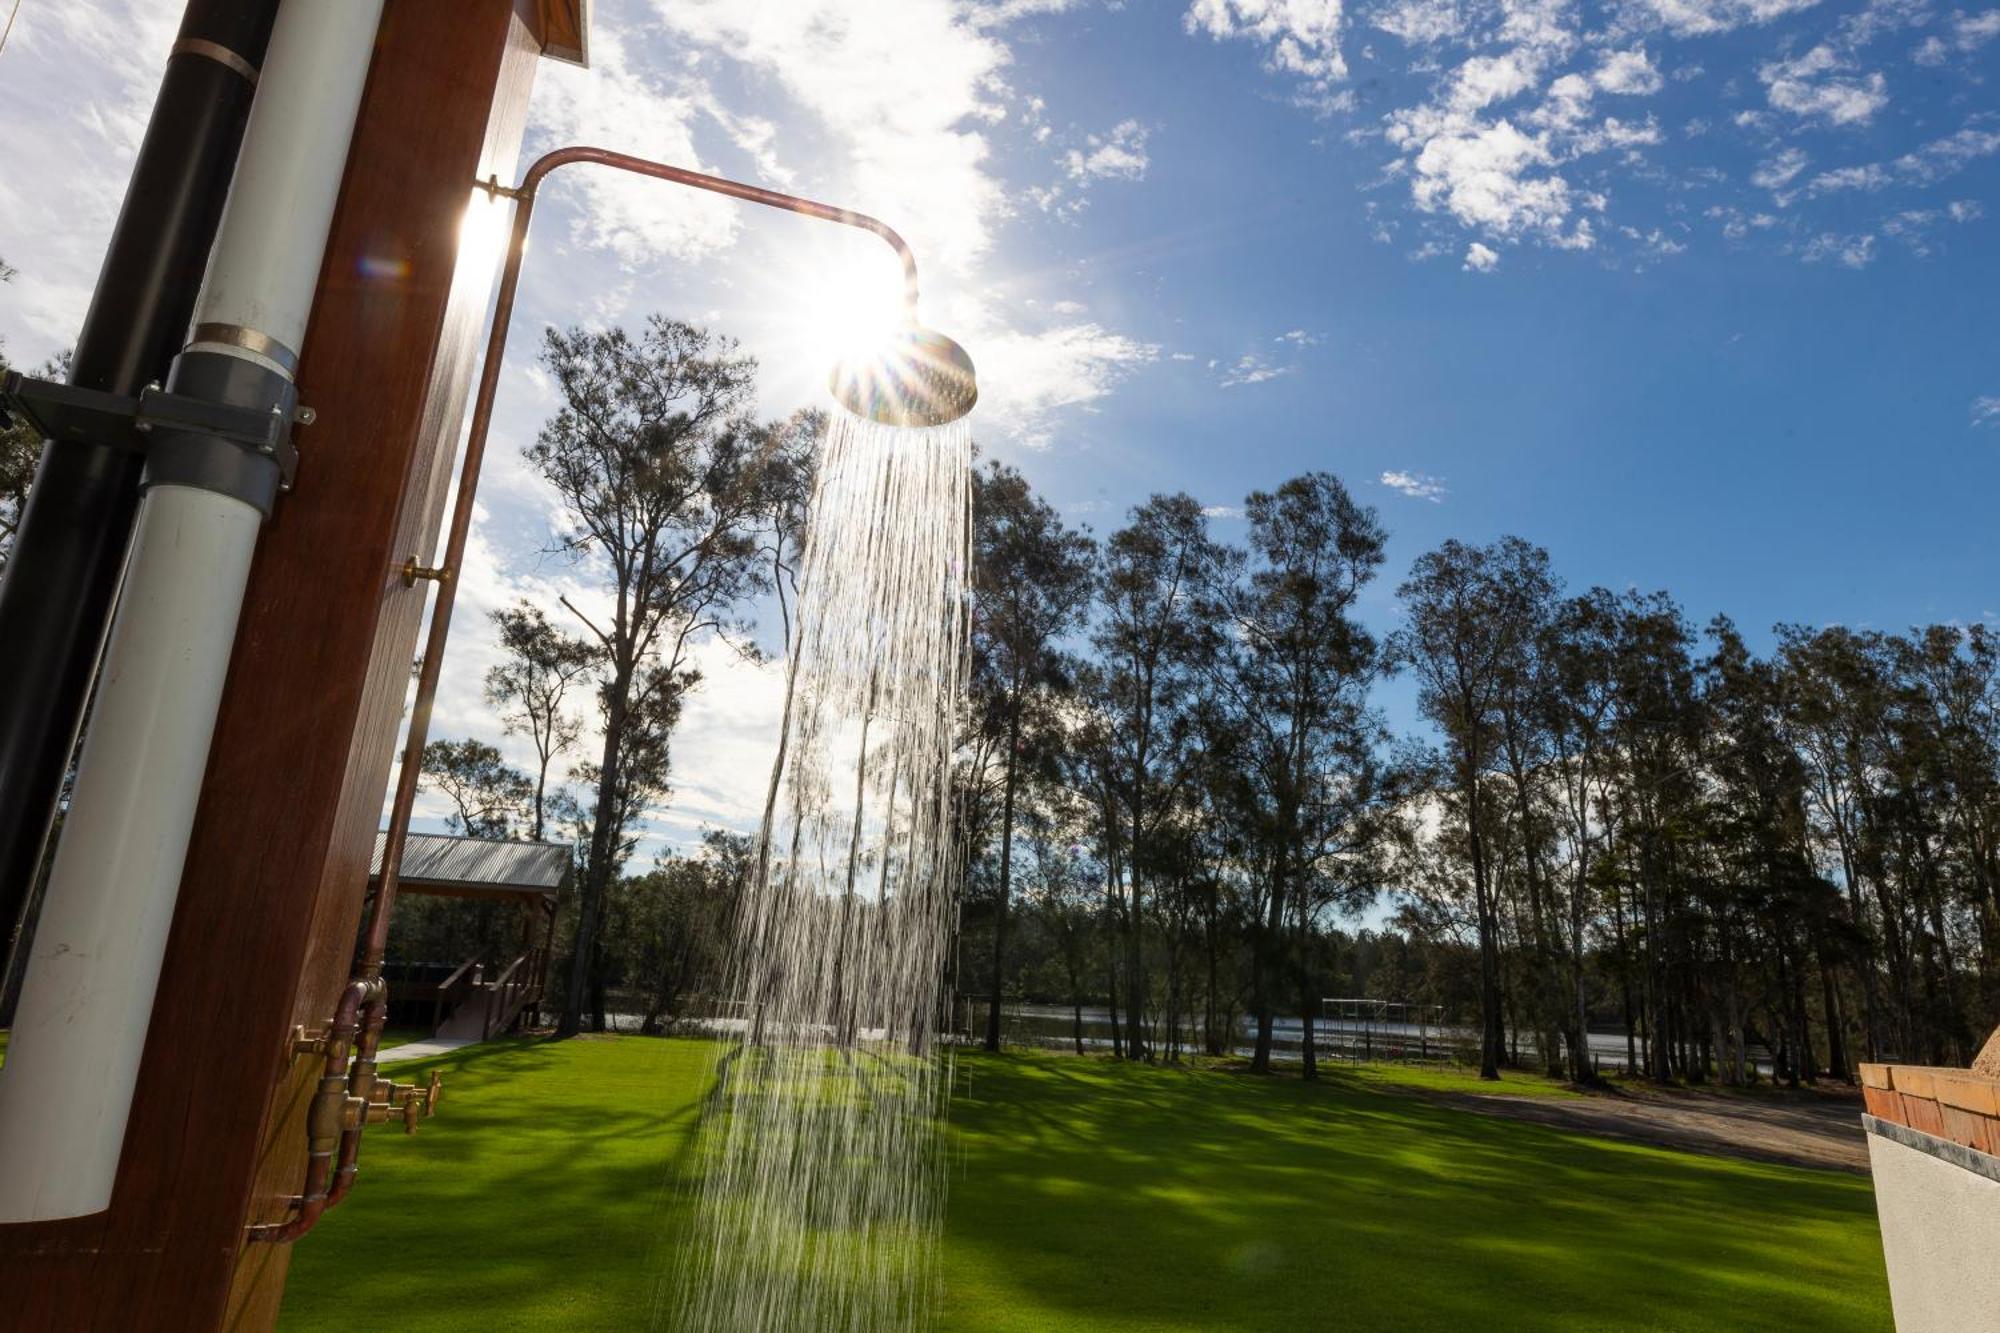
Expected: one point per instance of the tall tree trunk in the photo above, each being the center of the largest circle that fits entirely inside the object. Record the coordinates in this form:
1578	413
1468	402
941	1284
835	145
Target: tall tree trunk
1307	1004
583	968
1491	1039
1263	962
1836	1037
1006	876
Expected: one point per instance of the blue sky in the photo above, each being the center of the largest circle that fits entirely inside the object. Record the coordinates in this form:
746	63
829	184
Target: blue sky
1697	293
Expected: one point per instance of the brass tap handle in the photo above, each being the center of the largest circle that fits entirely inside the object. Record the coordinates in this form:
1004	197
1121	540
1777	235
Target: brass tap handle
308	1043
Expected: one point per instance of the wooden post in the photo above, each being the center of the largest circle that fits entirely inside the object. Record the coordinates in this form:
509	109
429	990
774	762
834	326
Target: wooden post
271	895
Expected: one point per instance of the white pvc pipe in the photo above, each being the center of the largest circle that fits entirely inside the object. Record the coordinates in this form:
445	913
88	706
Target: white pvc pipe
274	227
66	1089
80	1029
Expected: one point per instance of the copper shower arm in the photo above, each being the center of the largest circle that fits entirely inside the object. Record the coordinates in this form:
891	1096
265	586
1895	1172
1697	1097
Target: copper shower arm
753	194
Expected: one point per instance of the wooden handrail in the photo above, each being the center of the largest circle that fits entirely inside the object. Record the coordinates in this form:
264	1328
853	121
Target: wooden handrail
512	968
477	960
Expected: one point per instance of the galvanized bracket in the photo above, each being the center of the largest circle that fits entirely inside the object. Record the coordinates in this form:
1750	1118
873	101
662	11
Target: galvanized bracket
69	414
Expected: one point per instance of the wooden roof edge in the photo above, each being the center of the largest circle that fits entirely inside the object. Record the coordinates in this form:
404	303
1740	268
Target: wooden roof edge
562	27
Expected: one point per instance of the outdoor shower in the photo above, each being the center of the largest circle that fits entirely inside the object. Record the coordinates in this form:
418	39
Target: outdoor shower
211	481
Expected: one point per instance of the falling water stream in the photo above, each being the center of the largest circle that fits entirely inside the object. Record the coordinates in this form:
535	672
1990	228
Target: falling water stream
822	1181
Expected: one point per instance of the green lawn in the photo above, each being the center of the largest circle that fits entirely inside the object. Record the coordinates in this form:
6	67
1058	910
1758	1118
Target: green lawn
1087	1195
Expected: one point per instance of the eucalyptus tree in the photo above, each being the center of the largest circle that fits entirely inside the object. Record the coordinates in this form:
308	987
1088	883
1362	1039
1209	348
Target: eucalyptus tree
1659	725
1955	679
1060	887
489	796
1529	591
1032	581
670	926
1577	649
790	452
1466	626
1299	668
1157	636
532	687
665	486
1835	693
1756	831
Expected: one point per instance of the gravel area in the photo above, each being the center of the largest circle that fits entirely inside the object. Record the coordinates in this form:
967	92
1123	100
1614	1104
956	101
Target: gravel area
1803	1129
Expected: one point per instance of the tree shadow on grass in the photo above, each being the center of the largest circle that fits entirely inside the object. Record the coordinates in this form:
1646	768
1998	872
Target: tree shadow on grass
1088	1194
551	1193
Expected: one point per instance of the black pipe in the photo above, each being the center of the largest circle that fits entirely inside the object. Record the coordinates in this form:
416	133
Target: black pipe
69	552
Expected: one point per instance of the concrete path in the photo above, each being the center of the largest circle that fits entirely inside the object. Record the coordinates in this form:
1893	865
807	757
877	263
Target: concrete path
429	1049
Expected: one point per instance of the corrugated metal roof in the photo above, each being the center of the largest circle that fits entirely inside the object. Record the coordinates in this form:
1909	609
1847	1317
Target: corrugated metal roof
478	863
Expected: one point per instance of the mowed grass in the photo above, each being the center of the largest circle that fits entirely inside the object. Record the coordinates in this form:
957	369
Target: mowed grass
1090	1195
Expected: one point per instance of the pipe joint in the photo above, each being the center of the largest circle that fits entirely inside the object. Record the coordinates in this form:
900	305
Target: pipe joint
245	450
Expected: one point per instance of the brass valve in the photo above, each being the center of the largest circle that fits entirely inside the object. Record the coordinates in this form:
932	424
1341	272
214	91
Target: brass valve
408	1102
309	1043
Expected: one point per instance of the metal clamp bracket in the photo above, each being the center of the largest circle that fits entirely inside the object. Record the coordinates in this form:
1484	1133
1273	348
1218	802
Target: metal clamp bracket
74	415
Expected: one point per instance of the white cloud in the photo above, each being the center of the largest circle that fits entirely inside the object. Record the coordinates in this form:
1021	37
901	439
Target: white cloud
1303	36
619	103
1968	32
1848	251
1118	155
1986	410
1628	73
1416	485
1870	176
1221	511
1701	18
1948	156
1484	80
1487	176
1781	170
1419	22
77	84
1975	30
1480	259
1813	87
1931	51
1251	368
1298	338
1026	379
900	91
1965	210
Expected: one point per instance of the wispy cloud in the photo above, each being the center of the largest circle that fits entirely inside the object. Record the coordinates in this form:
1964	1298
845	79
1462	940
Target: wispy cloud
1030	377
1846	251
1250	368
1480	259
1416	485
1986	410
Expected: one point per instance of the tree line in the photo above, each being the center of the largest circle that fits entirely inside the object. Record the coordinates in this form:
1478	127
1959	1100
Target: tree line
1177	792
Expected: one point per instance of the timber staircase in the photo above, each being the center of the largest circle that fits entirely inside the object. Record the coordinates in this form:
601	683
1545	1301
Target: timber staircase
469	1006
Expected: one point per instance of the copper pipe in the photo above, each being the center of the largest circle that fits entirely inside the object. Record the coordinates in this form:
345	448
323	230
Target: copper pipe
327	1124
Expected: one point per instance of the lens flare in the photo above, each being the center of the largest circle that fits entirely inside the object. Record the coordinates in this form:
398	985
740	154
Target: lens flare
914	377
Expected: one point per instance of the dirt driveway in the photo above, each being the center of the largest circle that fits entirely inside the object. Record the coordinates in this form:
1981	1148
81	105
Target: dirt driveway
1804	1129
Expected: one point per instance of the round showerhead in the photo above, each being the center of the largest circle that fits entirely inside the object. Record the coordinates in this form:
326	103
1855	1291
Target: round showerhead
918	377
